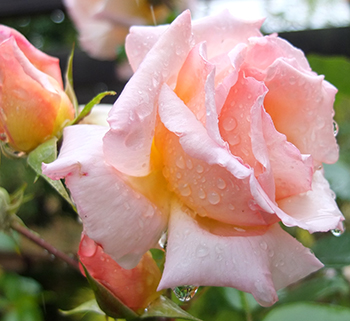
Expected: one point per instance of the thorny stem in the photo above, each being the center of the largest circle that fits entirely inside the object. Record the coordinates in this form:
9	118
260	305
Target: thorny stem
245	305
41	242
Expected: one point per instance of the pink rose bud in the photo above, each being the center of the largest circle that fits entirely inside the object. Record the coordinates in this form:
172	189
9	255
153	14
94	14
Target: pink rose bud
136	288
34	106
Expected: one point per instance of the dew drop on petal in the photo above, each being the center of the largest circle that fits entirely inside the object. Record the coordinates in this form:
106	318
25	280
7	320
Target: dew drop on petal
221	184
201	194
186	292
180	162
199	169
163	240
263	245
229	124
213	198
89	247
202	251
185	190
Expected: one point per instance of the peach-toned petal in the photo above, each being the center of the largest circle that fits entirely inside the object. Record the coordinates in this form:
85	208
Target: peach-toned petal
258	264
301	107
264	51
43	62
127	145
316	210
235	118
124	222
191	80
292	172
205	175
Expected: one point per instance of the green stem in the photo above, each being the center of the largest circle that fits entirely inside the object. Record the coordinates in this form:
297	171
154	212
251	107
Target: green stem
245	305
34	237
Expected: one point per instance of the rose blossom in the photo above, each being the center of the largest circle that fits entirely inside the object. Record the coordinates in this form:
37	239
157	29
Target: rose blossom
136	287
218	137
104	24
33	105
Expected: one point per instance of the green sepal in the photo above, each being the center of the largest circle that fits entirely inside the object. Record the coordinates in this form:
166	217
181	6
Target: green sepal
69	88
165	308
88	306
10	204
108	302
47	153
88	107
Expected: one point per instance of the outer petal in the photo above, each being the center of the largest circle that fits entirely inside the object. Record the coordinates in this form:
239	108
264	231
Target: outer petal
316	210
301	107
125	223
256	264
47	64
221	32
127	145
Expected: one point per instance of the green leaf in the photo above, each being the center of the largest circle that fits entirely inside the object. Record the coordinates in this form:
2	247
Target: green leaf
314	289
47	153
88	107
338	175
69	90
89	306
307	312
109	303
333	251
164	307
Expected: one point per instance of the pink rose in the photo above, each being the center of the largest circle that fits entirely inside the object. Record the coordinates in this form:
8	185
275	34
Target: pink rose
136	287
104	24
217	138
34	106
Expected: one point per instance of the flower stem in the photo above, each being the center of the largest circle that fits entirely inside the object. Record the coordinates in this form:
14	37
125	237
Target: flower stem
34	237
245	306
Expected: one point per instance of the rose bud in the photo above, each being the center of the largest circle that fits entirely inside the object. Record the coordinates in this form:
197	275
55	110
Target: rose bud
34	106
136	287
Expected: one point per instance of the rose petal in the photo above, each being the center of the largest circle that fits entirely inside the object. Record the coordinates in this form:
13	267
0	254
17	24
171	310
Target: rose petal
256	264
206	176
264	51
292	173
105	203
132	119
221	32
47	64
301	107
316	210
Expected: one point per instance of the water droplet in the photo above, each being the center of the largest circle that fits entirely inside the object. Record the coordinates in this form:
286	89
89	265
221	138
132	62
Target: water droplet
229	124
271	253
185	293
231	207
292	80
335	128
337	232
263	245
163	240
221	184
213	198
185	190
201	194
88	248
189	164
234	140
202	251
178	175
149	212
180	162
199	169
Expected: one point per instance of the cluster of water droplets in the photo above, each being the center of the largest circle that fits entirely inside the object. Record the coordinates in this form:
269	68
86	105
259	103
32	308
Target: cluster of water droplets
186	292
